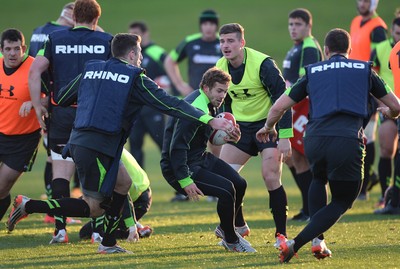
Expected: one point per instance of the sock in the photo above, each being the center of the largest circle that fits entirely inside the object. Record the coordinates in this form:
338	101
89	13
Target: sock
48	175
279	209
4	204
65	206
98	224
395	201
385	173
60	187
112	218
304	181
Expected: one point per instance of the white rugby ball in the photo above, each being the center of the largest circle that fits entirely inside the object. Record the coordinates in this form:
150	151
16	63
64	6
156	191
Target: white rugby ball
218	136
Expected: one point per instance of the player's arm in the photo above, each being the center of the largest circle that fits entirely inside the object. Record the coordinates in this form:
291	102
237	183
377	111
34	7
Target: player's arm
292	95
68	95
375	61
310	55
384	93
39	65
183	133
172	69
273	82
148	92
378	35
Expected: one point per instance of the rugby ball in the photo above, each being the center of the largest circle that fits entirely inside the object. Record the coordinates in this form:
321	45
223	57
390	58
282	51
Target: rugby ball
217	136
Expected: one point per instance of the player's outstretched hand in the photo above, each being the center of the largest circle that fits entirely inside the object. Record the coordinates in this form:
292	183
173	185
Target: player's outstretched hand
41	112
193	192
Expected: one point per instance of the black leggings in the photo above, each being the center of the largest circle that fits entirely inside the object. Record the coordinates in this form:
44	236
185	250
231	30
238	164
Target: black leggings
323	215
217	178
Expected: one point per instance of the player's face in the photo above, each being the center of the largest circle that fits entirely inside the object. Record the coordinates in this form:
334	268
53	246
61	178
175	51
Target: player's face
13	53
363	7
209	30
396	33
298	29
217	93
137	56
231	46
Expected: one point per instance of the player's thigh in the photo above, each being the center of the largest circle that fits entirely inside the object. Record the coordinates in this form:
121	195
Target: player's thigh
233	155
388	138
345	159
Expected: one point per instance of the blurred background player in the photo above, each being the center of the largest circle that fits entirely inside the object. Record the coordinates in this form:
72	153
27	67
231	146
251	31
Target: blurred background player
366	31
306	50
19	128
202	51
387	131
150	120
392	194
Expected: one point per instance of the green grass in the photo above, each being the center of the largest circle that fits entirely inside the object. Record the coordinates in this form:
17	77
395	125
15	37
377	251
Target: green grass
183	233
183	236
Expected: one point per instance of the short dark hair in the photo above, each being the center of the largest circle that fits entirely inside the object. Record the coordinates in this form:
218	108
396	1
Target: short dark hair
13	35
123	43
139	24
214	75
232	28
396	21
70	6
85	11
301	13
209	15
338	40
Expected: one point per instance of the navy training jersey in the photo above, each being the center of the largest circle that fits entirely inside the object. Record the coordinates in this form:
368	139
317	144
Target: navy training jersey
201	56
153	60
41	34
69	50
300	55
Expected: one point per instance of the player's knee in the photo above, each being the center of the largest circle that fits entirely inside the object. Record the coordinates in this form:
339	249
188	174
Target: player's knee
94	205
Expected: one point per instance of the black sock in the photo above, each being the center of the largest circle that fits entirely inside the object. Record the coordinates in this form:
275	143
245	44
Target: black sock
4	204
395	201
48	176
385	173
60	187
279	208
304	181
112	218
65	206
76	183
98	225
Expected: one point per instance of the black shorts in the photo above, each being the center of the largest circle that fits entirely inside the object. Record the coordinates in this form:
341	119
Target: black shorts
60	126
92	167
335	158
248	141
19	151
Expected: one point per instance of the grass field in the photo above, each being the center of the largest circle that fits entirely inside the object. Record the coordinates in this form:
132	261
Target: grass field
183	232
